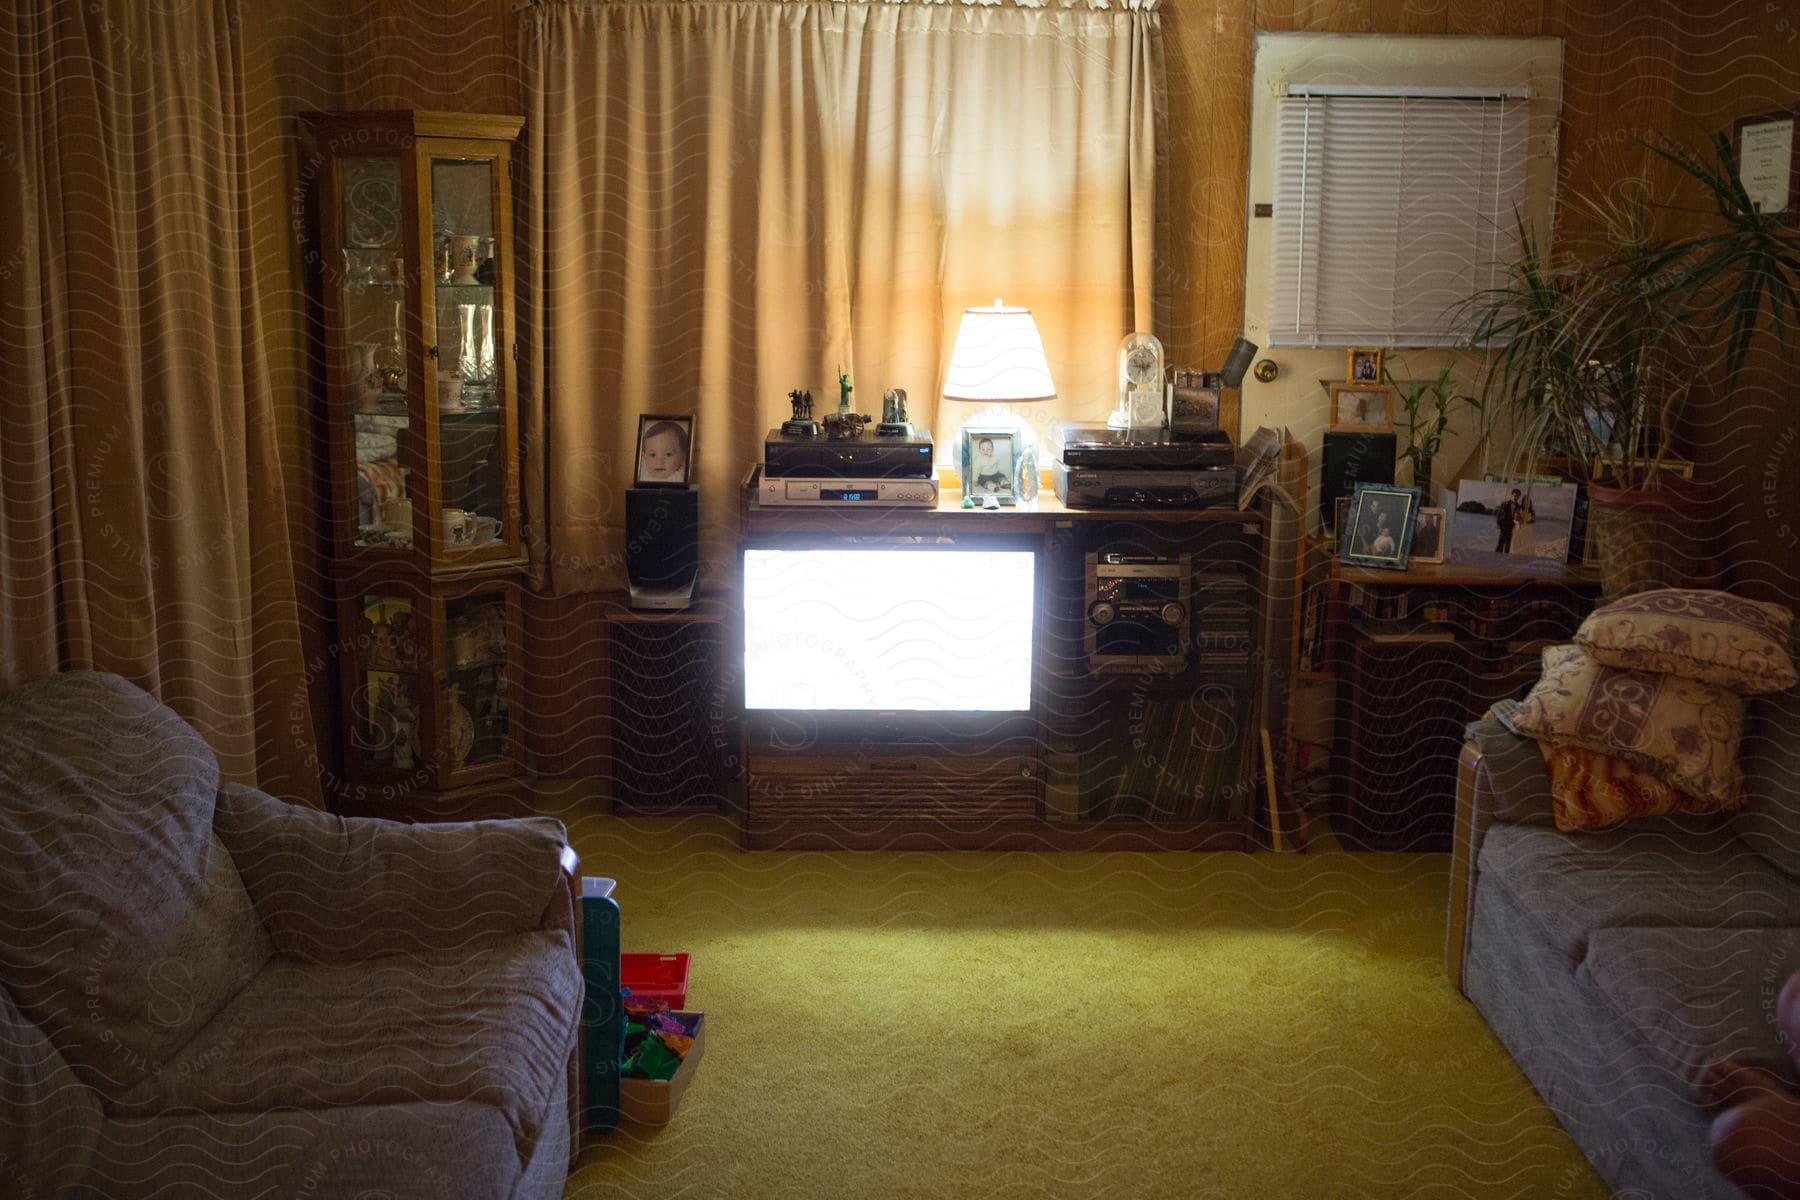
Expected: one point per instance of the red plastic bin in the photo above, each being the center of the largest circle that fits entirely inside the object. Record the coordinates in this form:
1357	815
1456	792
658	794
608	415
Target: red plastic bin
655	977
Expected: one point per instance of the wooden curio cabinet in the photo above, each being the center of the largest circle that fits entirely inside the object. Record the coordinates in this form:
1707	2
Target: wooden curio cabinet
414	256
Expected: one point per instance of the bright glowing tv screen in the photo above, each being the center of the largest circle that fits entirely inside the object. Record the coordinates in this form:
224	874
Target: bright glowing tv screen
920	629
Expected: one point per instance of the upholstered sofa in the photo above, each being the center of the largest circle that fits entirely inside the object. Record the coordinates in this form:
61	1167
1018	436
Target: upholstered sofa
1613	965
207	992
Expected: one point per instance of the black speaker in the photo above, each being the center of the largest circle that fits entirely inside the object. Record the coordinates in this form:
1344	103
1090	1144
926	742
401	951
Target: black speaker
662	545
1350	459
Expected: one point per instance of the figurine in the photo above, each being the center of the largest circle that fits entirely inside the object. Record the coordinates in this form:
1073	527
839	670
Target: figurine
843	424
801	423
894	422
844	390
402	718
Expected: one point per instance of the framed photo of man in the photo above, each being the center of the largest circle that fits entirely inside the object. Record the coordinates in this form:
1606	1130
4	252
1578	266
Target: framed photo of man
1363	366
1377	530
1428	536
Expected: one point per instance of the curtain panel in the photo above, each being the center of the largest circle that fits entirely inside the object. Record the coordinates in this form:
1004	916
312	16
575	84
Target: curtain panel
731	199
143	528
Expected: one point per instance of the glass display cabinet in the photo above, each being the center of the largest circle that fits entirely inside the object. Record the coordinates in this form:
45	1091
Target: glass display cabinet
413	249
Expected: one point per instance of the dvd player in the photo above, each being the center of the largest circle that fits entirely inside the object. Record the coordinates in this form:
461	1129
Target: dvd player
1094	444
1161	487
788	455
834	490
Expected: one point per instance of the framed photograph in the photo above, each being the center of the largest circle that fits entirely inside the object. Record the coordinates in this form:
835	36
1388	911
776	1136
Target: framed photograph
1362	408
664	447
989	464
1512	523
1363	366
1768	160
1340	506
1428	539
1378	528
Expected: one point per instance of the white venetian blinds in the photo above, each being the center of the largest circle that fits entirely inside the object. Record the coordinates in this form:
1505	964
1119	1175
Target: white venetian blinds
1391	211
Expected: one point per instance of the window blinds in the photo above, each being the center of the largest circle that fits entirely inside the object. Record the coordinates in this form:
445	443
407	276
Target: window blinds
1390	212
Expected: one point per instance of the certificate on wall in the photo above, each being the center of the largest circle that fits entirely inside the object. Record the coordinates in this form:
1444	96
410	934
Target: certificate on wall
1766	160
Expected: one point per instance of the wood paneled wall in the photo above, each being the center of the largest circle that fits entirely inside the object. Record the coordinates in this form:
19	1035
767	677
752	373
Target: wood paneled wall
1632	71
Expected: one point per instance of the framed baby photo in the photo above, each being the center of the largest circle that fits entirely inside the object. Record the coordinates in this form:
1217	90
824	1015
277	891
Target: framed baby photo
988	467
665	446
1363	366
1362	408
1378	528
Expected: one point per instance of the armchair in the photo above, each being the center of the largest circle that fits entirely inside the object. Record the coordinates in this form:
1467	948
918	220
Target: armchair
212	992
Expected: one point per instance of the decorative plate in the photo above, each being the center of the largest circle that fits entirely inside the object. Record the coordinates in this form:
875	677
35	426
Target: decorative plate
461	734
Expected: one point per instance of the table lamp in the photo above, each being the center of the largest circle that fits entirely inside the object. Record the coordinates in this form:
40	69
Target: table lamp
998	359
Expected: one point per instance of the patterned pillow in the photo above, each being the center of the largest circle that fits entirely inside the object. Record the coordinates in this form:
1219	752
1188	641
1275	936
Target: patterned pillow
1590	790
1680	731
1713	636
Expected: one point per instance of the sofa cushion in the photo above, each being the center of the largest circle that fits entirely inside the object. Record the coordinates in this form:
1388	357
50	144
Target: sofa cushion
488	1022
1682	731
1770	822
1744	645
128	926
1674	871
416	1151
1590	790
1693	995
51	1121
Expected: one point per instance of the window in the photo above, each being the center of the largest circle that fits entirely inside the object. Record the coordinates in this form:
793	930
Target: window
1391	208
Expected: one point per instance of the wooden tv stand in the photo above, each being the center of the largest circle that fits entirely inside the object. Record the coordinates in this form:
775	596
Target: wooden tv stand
1112	759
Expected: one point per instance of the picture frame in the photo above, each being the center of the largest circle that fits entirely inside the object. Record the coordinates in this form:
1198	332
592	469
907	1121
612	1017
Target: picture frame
1766	147
1378	527
1340	508
990	463
1364	365
1362	408
665	448
1430	538
1512	524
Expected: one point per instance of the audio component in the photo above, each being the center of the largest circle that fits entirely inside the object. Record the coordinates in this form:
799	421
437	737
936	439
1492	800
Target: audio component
906	493
1137	613
788	456
662	546
1170	487
1091	444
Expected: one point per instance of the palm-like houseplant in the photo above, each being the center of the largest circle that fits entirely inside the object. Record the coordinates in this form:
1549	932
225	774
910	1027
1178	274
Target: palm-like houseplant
1591	357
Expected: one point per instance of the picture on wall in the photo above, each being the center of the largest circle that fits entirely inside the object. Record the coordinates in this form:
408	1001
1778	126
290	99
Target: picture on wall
1512	523
1378	527
1362	407
664	446
1363	366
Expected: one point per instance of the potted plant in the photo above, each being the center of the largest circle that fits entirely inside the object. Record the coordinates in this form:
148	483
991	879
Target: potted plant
1427	406
1592	356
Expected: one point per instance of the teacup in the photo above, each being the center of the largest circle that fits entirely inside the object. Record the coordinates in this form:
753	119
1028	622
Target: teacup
487	530
449	392
458	524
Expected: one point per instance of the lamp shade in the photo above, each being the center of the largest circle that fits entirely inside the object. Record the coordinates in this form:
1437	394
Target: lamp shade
998	358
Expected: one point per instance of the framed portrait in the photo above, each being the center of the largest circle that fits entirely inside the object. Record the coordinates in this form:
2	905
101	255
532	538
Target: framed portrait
1428	539
1362	408
1512	524
1340	506
665	446
1363	366
1378	528
989	464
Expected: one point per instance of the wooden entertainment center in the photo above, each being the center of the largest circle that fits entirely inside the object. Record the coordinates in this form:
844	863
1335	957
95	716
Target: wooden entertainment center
1111	756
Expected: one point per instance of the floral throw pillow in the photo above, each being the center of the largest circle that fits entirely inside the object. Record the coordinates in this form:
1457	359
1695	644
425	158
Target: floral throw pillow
1713	636
1590	790
1681	731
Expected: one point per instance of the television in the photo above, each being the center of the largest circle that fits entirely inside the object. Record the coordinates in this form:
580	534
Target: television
889	628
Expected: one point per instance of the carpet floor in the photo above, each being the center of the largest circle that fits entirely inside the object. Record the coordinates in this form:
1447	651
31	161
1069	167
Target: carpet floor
1064	1025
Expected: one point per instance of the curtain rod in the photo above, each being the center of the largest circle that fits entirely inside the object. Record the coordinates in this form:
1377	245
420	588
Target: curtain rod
1090	5
1391	91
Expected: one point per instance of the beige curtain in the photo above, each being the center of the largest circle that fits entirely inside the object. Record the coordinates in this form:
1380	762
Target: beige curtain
143	528
729	199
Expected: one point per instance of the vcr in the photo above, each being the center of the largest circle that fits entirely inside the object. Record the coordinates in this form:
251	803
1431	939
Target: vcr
1169	487
874	457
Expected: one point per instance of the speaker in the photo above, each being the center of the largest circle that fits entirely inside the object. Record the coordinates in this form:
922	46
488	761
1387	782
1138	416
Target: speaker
1350	459
1237	361
662	545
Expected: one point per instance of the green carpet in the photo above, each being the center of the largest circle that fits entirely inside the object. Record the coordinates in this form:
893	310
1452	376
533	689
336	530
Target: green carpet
1080	1025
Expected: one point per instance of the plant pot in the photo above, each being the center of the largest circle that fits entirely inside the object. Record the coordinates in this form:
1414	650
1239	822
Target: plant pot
1659	538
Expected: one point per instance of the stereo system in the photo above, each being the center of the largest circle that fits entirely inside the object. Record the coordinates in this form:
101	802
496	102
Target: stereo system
1137	613
662	546
906	493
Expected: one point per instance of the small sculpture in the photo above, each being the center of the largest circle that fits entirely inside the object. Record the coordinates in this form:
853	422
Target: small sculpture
801	423
843	424
844	390
894	422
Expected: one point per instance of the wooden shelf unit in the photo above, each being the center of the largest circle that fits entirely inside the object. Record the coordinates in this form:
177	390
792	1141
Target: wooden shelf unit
1050	782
